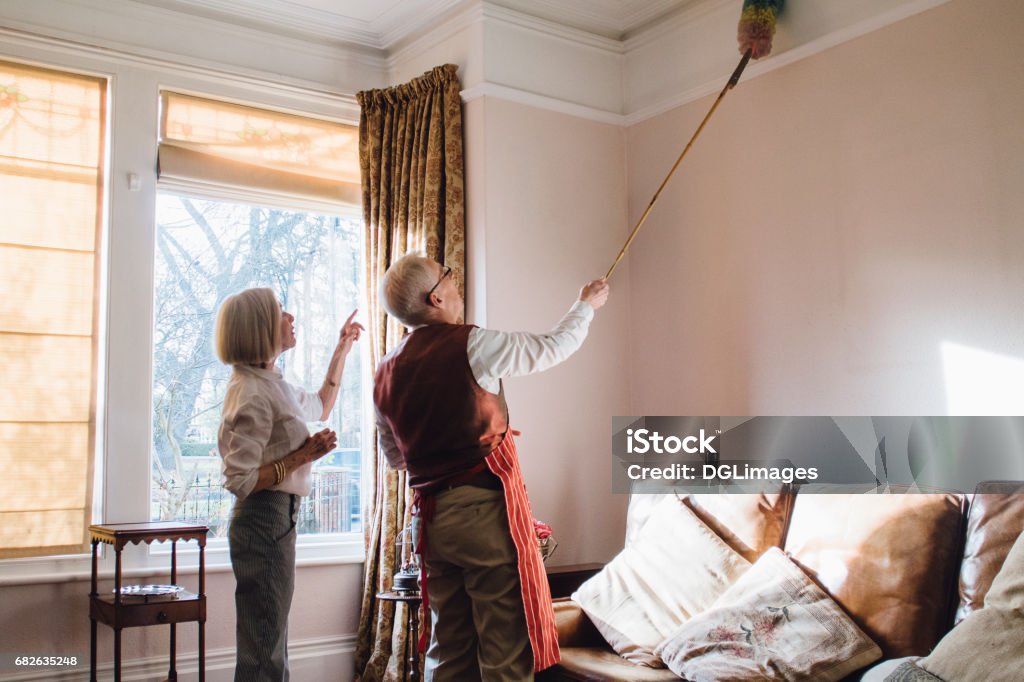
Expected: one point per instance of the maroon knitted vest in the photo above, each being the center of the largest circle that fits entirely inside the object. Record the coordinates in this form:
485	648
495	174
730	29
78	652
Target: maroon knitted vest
443	421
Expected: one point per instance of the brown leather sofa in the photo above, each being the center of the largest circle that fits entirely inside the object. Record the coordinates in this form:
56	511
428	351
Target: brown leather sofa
906	568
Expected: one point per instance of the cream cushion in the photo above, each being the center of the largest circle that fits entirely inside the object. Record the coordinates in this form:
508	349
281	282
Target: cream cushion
774	623
673	569
881	671
989	643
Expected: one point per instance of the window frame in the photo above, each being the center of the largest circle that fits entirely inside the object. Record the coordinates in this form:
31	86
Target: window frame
316	548
127	250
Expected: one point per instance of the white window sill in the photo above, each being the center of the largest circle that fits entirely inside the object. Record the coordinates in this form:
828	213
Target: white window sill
148	561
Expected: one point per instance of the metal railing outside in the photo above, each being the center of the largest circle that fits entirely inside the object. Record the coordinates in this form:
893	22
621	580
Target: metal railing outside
333	506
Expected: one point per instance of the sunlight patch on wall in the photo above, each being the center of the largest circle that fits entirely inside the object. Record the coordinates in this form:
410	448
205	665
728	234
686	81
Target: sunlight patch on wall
980	382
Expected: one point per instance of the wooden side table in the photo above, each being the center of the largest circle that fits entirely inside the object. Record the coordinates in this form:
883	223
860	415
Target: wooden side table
119	613
412	604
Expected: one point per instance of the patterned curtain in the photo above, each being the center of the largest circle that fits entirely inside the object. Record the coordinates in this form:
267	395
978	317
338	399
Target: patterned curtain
410	154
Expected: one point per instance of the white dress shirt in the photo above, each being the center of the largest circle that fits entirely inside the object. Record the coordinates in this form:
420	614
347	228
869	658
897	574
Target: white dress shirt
494	355
264	419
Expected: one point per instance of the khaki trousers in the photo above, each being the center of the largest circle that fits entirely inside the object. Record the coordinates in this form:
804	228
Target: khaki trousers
476	604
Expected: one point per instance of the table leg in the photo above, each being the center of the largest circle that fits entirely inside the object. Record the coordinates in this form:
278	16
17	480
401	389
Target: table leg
117	654
172	674
202	621
414	656
202	651
92	650
92	621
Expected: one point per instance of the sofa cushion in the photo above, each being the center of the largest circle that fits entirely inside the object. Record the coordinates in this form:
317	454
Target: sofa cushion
1007	591
908	671
889	560
995	519
641	507
989	643
750	523
602	665
880	672
774	623
675	568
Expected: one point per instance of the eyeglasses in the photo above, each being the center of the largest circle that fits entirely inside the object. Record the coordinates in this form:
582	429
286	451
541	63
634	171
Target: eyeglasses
447	271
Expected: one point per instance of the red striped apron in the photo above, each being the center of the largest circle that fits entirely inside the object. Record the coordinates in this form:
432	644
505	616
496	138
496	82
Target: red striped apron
540	615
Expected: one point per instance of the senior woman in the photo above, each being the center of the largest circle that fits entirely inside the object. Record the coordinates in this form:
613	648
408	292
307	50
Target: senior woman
267	460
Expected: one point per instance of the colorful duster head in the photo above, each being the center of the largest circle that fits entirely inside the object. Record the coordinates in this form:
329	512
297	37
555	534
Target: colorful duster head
757	26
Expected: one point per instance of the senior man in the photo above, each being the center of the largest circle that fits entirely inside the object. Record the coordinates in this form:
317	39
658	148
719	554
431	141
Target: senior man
441	415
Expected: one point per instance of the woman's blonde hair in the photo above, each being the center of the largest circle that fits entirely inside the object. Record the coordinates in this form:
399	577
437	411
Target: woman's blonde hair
404	288
249	328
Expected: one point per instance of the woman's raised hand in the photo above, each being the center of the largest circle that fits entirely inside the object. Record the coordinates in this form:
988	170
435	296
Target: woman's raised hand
350	332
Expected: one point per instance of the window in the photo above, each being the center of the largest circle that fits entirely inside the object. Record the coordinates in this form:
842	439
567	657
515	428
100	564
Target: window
206	251
233	211
51	180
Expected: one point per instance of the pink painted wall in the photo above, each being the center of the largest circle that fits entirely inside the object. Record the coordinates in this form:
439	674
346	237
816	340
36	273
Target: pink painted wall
547	210
839	224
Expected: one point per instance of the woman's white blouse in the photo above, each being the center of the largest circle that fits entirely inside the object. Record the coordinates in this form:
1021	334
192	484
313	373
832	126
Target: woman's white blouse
264	419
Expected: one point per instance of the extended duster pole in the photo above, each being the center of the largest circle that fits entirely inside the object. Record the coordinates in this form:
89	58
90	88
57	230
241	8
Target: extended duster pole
755	33
728	86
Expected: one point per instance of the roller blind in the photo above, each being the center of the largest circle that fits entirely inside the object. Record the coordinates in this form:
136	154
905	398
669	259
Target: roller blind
51	183
209	141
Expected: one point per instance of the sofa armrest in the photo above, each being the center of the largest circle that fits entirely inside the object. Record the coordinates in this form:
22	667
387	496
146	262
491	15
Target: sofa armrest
574	628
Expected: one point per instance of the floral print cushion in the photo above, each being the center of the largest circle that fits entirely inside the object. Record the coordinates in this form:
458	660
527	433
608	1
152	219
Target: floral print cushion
773	623
674	569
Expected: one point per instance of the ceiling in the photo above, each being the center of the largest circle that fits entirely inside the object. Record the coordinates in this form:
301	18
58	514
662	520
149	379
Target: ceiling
379	24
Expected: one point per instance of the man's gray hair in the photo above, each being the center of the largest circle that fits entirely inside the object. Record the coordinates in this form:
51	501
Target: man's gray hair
404	288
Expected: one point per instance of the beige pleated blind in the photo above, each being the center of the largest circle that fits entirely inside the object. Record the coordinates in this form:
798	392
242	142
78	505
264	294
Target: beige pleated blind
51	183
244	147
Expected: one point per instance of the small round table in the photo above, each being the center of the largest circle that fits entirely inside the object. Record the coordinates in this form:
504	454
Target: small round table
412	604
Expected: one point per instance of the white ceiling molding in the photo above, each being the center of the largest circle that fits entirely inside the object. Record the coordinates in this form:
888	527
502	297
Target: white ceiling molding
531	55
374	24
342	106
394	25
552	29
129	28
700	42
613	19
683	57
639	16
517	53
670	26
467	14
610	60
380	24
284	16
541	102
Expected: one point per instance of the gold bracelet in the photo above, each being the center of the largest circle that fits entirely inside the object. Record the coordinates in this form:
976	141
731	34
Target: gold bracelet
279	472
